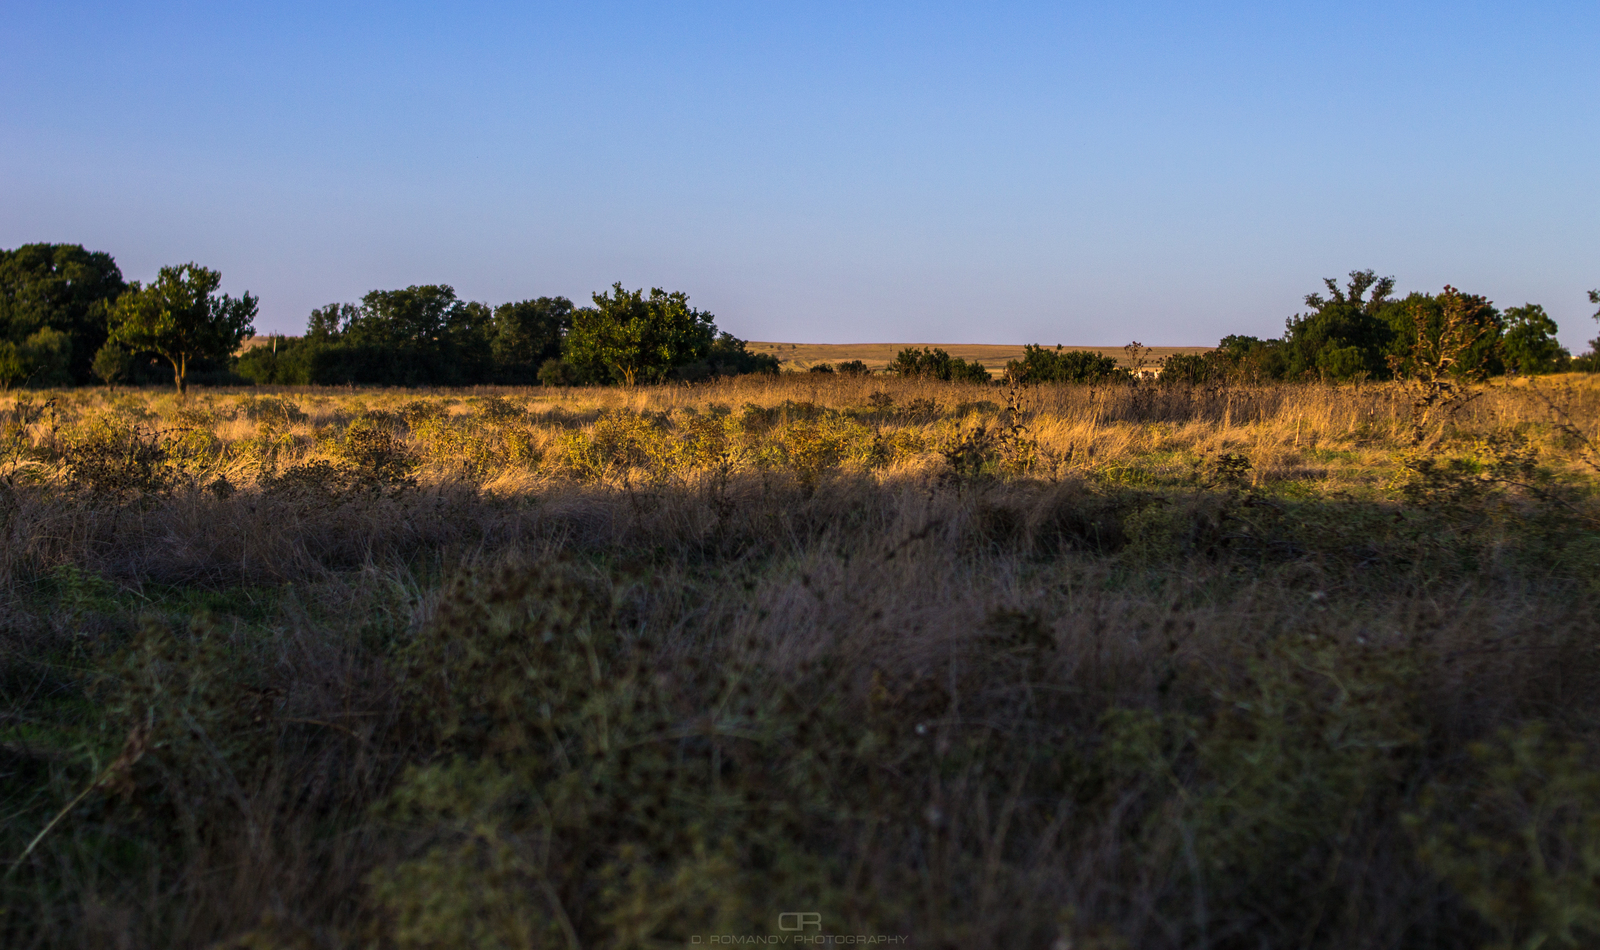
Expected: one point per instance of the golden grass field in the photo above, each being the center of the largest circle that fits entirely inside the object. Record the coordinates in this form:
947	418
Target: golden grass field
1127	666
1301	438
803	356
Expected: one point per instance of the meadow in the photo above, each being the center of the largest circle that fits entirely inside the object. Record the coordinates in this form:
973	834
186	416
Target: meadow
1067	667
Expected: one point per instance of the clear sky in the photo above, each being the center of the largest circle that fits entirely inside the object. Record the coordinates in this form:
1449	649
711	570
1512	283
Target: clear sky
822	172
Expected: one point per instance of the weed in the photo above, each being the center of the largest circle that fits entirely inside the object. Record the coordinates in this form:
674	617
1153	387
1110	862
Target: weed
1519	837
378	459
113	461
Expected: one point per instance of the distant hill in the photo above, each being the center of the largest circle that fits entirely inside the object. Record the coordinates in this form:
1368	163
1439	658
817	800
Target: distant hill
803	356
800	356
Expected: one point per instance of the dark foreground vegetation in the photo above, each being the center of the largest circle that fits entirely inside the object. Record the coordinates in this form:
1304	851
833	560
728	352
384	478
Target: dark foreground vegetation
1143	666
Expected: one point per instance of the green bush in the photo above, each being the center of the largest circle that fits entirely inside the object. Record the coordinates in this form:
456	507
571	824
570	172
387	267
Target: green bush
925	363
112	364
1039	365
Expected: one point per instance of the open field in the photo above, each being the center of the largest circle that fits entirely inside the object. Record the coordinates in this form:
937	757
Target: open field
803	356
1117	667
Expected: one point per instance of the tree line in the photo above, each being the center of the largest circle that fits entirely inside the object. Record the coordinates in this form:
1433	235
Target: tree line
1356	332
425	335
68	317
1361	331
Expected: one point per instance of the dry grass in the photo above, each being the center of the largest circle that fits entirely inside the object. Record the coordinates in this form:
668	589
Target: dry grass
1120	667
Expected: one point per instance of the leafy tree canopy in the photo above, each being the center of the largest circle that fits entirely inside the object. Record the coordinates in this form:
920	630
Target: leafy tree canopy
1344	335
1449	333
1528	343
526	334
420	334
729	356
425	335
327	323
629	338
60	287
180	317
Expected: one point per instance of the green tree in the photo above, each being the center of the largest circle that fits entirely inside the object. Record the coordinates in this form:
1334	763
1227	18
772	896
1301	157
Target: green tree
426	314
1250	359
327	323
730	356
42	360
1590	361
629	338
526	334
1528	342
419	335
181	318
1450	334
112	363
558	372
60	287
1343	335
1198	368
1594	298
1445	334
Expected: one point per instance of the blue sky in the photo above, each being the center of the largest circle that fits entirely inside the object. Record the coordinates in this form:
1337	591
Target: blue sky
821	172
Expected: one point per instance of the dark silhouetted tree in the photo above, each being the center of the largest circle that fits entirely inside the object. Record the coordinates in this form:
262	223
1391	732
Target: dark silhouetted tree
59	287
526	334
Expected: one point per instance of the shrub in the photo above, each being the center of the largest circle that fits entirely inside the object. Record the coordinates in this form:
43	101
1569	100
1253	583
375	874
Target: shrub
379	459
12	368
924	363
1039	365
47	355
112	364
115	461
274	411
558	372
1192	368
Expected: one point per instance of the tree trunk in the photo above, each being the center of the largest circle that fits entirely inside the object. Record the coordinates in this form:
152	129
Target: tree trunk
180	374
